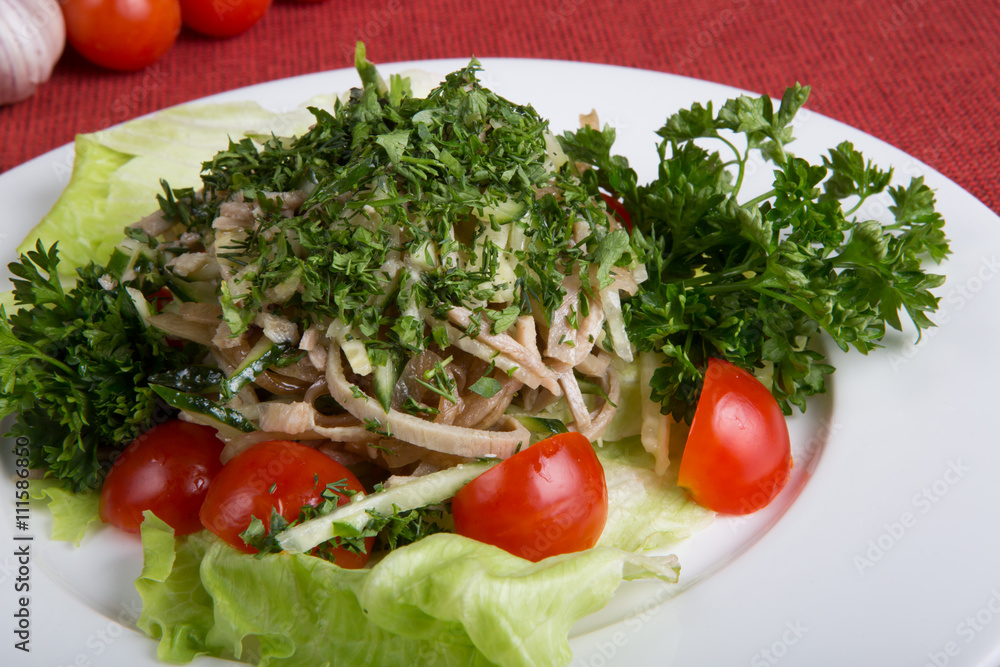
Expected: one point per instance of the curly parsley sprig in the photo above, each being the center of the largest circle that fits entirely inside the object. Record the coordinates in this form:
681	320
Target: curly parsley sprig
756	281
73	367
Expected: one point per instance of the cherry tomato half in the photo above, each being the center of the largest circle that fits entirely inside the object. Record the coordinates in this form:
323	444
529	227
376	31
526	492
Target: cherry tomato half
224	18
122	34
738	454
167	470
548	499
278	474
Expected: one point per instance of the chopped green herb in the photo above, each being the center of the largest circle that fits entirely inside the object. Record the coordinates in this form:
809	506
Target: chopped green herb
485	386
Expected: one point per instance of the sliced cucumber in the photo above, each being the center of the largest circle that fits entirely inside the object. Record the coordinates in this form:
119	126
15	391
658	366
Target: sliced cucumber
506	211
118	264
263	355
357	356
542	425
384	380
197	291
350	519
130	255
190	378
199	405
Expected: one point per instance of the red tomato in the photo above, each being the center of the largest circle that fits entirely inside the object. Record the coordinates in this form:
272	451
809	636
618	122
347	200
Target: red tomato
160	299
122	34
548	499
617	209
738	455
222	18
167	470
280	475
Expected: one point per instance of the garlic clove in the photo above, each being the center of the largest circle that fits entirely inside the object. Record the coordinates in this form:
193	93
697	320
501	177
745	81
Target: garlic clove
32	37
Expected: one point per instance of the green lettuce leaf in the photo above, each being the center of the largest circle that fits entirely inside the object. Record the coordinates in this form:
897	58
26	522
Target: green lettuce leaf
645	511
445	600
72	513
175	607
628	417
78	219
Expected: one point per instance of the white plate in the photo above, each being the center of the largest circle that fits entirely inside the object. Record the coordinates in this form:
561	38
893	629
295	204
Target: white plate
886	556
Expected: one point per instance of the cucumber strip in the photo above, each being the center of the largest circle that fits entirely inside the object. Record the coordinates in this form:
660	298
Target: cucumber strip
588	386
261	357
140	303
542	425
125	257
118	263
384	380
350	519
190	291
192	378
205	407
506	211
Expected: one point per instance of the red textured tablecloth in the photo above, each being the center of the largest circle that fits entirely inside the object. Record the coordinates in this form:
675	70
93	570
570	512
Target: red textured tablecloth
920	74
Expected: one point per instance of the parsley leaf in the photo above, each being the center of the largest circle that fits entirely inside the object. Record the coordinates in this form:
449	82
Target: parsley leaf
755	281
73	365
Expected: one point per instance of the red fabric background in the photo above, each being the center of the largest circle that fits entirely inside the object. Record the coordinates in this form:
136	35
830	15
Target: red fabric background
920	74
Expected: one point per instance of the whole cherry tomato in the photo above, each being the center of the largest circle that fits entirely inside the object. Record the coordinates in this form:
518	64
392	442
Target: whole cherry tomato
548	499
166	470
738	454
281	475
222	18
122	34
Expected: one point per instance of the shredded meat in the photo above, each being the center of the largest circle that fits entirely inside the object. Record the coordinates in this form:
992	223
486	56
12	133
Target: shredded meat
454	440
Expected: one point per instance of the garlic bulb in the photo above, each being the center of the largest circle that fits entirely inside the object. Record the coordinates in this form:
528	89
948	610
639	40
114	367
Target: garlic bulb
32	37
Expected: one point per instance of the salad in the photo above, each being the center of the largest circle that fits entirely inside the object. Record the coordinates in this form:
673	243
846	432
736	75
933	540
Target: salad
378	333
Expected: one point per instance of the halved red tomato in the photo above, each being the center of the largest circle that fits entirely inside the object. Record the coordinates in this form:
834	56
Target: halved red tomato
548	499
738	453
166	470
279	475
